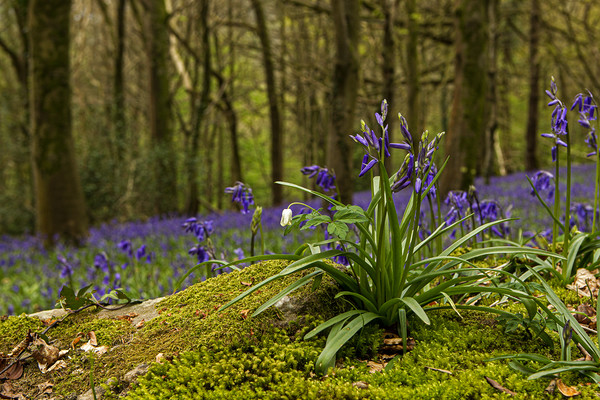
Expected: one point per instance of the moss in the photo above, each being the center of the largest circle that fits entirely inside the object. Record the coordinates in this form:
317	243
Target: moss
280	368
229	355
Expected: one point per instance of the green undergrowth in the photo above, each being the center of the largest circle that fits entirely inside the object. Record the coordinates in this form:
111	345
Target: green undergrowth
229	355
281	368
187	321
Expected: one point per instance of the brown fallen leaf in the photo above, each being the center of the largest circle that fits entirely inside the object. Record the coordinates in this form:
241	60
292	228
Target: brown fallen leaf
93	341
45	387
140	324
22	346
360	385
444	371
127	317
567	391
6	392
499	387
47	356
246	283
551	387
584	282
375	367
15	371
244	313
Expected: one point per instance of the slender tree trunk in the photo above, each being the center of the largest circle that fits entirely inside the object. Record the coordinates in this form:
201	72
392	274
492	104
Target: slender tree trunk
274	110
345	14
413	115
531	161
468	121
60	207
389	67
161	130
120	123
492	93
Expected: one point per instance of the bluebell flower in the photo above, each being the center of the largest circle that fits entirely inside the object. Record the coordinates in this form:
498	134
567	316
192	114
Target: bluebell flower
125	246
543	182
241	194
558	120
141	252
373	145
588	113
325	177
101	262
66	270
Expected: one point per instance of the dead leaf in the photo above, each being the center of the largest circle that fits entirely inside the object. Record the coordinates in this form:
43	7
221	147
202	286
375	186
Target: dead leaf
47	356
246	283
45	388
445	371
6	392
551	387
567	391
15	371
22	346
499	387
87	347
360	385
244	313
140	324
375	367
584	282
93	341
75	341
127	317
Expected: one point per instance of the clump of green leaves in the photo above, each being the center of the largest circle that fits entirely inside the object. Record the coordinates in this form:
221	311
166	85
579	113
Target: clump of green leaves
386	280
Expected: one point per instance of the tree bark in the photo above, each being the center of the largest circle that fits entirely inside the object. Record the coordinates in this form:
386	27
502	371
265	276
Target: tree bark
492	92
345	14
389	67
161	130
413	114
274	110
60	207
120	123
531	161
468	121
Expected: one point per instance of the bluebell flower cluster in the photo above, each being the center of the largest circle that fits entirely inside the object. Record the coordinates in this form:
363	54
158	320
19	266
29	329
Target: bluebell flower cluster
325	176
463	203
558	120
202	230
543	181
242	194
375	146
587	113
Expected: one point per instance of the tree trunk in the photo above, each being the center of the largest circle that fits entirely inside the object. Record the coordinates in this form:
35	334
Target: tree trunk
531	161
60	207
468	121
120	123
274	112
389	68
161	130
492	93
345	14
413	114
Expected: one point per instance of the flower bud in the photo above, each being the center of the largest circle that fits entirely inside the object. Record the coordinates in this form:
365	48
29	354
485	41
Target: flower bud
286	217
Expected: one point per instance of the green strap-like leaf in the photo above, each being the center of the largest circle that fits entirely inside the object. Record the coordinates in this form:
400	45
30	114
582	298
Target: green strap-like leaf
327	357
331	322
294	286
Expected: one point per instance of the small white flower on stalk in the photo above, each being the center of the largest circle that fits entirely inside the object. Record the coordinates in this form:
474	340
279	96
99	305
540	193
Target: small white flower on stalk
286	217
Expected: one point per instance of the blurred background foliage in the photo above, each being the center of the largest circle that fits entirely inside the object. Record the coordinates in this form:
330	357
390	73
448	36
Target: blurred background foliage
224	79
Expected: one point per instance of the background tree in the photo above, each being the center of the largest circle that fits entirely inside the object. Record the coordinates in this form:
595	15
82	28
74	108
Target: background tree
60	206
468	120
274	98
162	154
344	93
531	134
